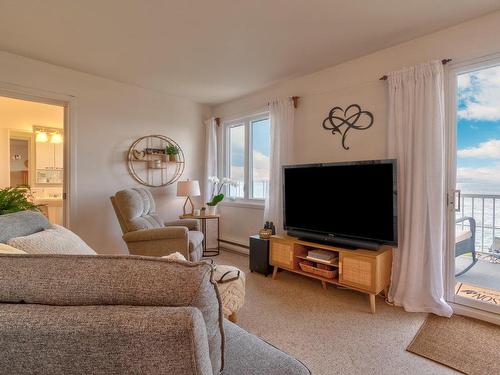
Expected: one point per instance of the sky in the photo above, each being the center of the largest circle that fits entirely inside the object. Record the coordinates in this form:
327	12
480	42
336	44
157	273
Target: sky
478	131
260	155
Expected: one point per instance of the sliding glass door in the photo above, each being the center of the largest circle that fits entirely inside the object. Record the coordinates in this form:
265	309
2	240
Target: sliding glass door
474	182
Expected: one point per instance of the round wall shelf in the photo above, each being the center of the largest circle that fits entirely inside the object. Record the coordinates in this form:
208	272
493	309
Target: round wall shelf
149	163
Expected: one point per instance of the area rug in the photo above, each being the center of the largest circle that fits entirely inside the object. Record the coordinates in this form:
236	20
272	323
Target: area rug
468	345
477	293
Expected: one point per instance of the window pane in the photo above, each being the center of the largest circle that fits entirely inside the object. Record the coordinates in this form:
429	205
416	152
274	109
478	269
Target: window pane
260	158
237	160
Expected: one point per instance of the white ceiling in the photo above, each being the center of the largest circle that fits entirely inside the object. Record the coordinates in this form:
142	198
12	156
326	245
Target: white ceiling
216	50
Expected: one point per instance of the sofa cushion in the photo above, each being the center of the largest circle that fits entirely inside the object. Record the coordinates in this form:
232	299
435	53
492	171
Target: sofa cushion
64	280
246	354
138	210
6	249
22	223
102	340
54	240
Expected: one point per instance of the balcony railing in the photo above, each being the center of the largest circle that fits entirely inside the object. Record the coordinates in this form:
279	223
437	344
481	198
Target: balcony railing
485	209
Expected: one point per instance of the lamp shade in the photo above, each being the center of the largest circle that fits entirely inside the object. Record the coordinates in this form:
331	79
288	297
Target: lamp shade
188	188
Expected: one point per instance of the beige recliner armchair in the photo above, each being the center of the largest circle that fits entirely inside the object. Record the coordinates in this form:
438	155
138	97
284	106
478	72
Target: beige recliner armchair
146	234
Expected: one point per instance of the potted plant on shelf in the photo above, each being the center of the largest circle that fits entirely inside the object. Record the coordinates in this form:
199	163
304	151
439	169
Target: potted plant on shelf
14	199
217	195
172	152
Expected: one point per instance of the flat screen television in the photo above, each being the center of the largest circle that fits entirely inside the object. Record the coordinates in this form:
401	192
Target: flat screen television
351	203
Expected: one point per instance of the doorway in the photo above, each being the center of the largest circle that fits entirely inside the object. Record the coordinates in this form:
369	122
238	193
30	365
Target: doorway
474	186
32	146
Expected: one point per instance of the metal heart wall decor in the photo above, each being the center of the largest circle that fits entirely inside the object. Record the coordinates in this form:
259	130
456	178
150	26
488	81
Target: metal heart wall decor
352	117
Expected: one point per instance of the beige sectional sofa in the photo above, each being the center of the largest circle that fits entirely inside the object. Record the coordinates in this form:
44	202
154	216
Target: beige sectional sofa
92	314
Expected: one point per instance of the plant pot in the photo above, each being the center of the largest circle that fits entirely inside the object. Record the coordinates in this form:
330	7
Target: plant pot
211	210
172	157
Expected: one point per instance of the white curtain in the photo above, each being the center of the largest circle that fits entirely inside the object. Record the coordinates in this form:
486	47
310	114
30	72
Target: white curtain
210	157
416	139
281	153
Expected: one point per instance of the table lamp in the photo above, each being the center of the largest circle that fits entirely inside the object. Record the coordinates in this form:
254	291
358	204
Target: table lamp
188	189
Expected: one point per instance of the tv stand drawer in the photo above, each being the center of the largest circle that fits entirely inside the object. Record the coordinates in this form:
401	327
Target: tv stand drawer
281	254
357	271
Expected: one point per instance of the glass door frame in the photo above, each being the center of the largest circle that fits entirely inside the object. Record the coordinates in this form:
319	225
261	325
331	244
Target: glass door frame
452	72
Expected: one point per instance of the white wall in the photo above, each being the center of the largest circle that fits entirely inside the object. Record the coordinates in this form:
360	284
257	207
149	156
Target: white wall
357	82
109	117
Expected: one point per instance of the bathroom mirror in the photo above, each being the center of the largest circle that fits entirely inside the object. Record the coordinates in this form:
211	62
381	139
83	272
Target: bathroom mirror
49	156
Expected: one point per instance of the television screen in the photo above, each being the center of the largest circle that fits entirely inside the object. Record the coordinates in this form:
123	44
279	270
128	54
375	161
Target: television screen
353	200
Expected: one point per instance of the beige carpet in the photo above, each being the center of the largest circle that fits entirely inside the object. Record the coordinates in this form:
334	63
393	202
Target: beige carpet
331	331
468	345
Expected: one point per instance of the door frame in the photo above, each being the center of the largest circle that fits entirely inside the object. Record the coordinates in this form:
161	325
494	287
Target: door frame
69	103
460	304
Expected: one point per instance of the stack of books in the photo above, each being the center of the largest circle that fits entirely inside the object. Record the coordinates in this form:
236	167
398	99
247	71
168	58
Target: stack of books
322	256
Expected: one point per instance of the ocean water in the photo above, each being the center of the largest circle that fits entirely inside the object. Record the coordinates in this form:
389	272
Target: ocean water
486	211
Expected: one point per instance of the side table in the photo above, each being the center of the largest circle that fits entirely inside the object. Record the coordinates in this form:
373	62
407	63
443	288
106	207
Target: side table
259	255
207	252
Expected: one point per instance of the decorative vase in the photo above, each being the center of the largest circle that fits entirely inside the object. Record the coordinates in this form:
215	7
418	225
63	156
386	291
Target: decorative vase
211	210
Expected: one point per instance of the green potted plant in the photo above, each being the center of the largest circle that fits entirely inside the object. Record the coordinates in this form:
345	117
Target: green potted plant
217	195
14	199
172	152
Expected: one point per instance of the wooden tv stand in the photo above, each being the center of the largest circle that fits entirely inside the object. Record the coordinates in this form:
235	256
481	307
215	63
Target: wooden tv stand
362	270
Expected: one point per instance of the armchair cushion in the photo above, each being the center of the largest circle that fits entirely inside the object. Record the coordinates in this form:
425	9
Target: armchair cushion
156	234
79	280
138	210
191	224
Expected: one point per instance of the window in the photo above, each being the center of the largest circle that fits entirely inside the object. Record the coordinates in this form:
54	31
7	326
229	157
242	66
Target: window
247	156
237	160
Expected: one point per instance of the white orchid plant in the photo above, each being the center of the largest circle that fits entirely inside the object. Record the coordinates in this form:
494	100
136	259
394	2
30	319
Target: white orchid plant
217	186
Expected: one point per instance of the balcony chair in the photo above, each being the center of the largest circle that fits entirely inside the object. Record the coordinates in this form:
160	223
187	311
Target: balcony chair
465	242
495	250
146	234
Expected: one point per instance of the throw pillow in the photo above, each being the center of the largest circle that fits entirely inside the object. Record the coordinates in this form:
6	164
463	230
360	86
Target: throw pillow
55	240
22	223
6	249
175	256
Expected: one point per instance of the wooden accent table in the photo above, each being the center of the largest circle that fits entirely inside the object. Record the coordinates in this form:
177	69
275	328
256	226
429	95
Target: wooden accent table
207	252
363	270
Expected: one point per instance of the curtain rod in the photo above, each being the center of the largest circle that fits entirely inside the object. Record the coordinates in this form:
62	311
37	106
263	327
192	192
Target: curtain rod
295	105
444	62
295	101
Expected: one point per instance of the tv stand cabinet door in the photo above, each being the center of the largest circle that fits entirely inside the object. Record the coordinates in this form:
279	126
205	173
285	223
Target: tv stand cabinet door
281	254
357	271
